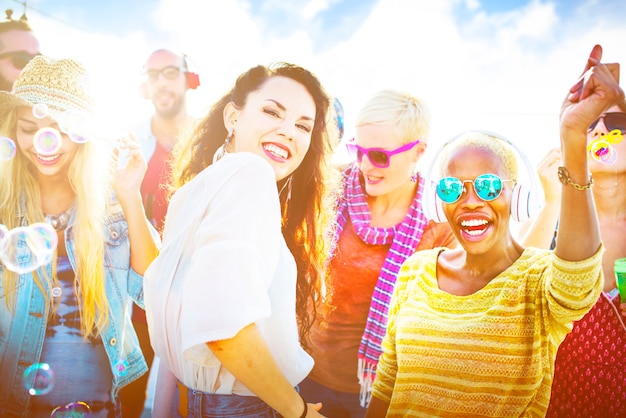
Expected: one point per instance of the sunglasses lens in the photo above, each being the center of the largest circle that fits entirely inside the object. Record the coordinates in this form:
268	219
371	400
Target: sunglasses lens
449	189
379	159
488	186
20	59
153	74
19	63
615	121
170	72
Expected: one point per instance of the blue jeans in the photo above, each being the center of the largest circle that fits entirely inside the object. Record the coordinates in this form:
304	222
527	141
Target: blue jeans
195	404
335	404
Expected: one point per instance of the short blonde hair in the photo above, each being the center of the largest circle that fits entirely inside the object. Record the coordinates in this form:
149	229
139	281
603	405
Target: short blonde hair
409	115
481	141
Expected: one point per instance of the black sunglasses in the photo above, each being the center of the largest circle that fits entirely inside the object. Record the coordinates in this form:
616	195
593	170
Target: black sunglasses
18	58
170	72
612	121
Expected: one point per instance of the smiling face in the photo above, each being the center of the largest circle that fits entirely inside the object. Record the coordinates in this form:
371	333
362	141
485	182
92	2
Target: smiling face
275	123
166	83
55	164
478	225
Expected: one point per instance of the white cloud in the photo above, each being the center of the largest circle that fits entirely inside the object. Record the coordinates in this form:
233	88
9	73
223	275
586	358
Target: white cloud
313	7
506	72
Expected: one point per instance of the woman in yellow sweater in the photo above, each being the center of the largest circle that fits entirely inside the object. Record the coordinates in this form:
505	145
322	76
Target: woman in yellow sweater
474	331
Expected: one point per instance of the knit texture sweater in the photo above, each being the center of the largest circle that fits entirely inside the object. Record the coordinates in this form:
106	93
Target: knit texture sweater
489	354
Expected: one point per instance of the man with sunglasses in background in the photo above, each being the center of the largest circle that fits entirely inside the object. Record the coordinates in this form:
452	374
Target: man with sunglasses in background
18	45
165	82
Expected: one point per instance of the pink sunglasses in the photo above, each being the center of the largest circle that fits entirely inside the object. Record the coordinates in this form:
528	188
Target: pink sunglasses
377	156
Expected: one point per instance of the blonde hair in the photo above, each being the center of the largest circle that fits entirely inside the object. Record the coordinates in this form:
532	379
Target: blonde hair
409	115
89	180
481	141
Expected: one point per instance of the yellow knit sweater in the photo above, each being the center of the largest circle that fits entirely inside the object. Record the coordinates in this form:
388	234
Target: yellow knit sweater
490	354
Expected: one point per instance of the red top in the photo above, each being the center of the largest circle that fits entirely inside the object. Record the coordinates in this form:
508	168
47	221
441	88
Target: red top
590	370
155	199
354	271
154	193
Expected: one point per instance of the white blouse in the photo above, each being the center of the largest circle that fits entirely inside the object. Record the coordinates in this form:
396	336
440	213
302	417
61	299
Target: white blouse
223	265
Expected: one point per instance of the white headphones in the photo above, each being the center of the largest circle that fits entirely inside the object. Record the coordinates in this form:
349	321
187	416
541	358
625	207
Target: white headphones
525	201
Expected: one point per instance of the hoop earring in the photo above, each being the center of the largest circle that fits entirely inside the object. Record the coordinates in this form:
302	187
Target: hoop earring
223	150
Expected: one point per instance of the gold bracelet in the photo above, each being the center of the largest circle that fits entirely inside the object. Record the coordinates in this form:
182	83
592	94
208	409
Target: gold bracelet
565	179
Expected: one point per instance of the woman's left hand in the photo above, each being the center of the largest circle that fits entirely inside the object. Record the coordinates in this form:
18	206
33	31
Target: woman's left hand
129	167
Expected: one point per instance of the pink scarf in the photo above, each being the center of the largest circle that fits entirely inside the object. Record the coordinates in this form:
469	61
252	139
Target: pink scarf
404	239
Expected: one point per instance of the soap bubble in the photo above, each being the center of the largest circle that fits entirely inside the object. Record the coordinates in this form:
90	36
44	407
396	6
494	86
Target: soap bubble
40	111
7	148
121	367
26	248
39	379
47	141
76	124
72	410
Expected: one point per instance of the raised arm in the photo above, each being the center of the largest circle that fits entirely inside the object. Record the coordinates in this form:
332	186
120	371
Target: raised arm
127	182
539	232
593	92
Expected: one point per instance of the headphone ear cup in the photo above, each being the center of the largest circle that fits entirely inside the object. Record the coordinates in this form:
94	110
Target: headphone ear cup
193	80
524	203
432	204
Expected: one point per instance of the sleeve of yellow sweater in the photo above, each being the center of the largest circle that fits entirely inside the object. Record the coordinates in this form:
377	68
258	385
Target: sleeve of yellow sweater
571	290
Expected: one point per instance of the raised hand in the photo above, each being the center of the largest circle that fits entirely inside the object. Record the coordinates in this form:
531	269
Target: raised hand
594	91
128	167
546	172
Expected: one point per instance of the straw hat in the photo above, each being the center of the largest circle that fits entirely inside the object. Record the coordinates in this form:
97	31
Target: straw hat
61	85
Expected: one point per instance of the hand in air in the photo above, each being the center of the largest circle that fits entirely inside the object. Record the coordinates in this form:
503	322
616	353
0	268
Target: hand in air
594	91
547	175
128	167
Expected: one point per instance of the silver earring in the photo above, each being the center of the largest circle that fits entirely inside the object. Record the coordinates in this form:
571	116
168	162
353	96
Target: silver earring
414	176
221	151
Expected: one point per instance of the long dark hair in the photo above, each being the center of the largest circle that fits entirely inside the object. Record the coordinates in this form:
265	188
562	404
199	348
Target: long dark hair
306	211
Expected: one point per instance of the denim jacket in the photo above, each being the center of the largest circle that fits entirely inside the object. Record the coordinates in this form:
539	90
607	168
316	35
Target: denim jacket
22	333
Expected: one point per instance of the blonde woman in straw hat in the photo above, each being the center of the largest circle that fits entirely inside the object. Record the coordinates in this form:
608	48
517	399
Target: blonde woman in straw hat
67	345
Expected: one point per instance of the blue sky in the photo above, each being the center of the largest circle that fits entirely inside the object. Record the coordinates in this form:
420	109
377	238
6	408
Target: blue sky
336	22
498	65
